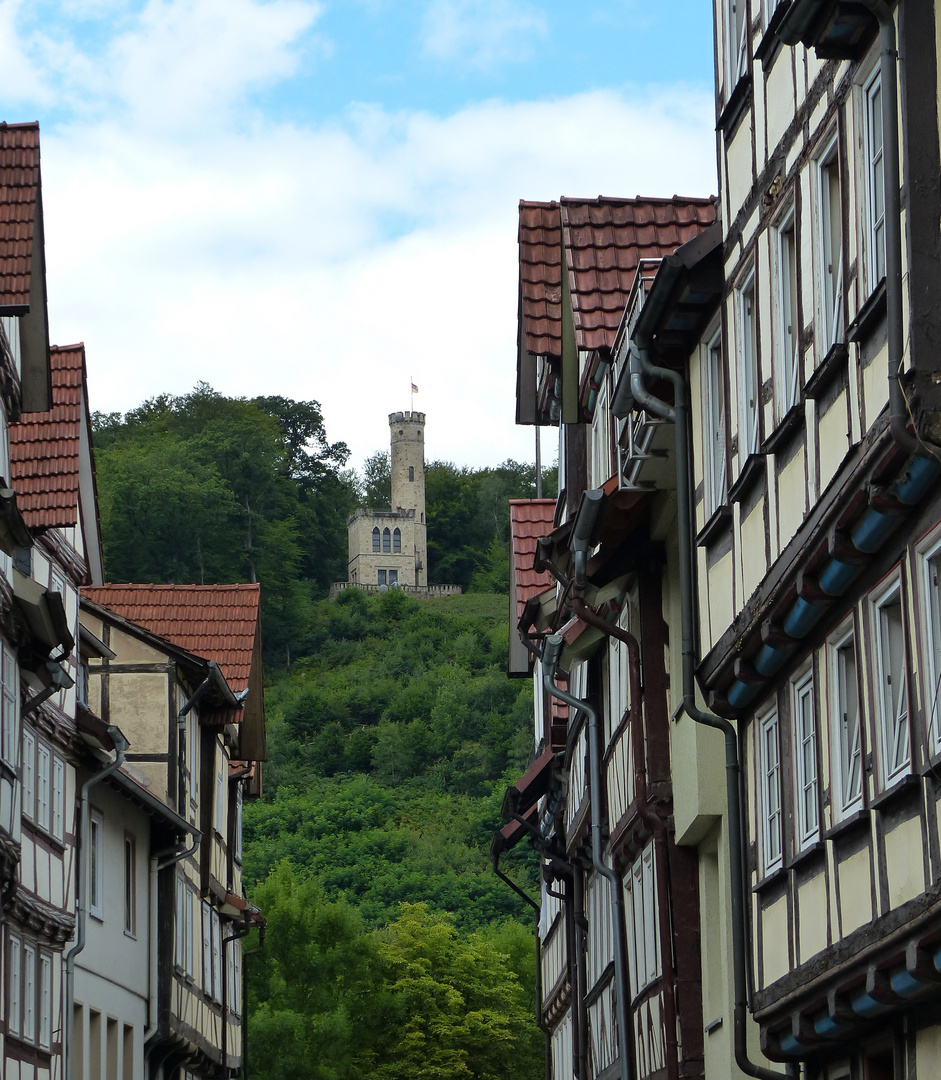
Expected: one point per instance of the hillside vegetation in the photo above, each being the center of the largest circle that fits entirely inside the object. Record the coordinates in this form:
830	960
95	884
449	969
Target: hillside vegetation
392	950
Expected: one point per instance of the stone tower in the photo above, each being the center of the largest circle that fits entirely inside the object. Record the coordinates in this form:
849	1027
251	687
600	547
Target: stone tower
390	547
407	431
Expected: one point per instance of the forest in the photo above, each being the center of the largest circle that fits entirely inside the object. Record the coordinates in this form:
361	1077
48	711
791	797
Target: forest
391	948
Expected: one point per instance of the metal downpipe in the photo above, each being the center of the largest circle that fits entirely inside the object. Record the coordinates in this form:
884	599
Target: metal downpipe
732	771
120	749
550	660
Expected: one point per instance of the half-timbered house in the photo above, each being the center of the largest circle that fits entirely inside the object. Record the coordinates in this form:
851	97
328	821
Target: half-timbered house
619	913
818	519
179	671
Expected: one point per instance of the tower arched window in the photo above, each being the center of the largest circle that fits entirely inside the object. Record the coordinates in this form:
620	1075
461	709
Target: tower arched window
411	473
397	541
375	538
386	540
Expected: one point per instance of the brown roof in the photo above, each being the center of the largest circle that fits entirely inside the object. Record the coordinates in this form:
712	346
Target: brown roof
529	519
45	447
216	622
19	187
603	240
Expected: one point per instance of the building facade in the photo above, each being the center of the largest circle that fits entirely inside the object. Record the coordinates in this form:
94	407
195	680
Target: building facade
755	450
390	547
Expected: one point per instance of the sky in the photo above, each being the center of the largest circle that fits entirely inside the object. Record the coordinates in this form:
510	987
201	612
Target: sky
319	198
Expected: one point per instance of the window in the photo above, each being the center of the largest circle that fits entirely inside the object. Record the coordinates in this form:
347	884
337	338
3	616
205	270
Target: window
96	864
130	885
386	541
787	338
192	754
221	795
600	946
769	790
382	577
237	825
643	935
393	577
930	580
875	181
185	902
411	474
10	325
847	778
891	690
207	947
397	540
235	977
217	956
714	486
375	538
29	991
804	737
830	249
750	383
737	42
44	778
10	717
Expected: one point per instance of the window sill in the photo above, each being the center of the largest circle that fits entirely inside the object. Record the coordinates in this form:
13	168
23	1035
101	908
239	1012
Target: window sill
752	471
855	819
790	424
831	366
814	850
869	315
898	786
735	107
771	878
718	524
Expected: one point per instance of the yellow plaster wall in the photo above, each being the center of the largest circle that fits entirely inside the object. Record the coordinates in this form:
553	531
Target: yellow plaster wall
779	99
721	598
752	544
130	650
792	486
739	163
812	910
927	1053
875	379
833	439
855	892
905	862
774	939
139	708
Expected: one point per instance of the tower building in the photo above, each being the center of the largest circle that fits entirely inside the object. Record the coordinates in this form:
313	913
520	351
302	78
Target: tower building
389	547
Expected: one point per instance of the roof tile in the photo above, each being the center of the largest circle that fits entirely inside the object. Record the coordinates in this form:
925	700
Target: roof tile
45	446
604	239
529	519
19	188
216	622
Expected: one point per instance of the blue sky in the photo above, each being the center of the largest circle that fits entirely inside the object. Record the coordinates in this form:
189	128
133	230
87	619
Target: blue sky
318	199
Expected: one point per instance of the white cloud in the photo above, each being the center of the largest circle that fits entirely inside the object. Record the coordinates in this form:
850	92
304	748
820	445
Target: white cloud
264	262
481	33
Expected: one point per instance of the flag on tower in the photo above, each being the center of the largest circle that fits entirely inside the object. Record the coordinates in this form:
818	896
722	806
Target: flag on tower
414	389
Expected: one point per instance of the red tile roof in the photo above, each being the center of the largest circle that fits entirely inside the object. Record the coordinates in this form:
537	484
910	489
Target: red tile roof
540	244
529	519
45	447
19	187
603	240
216	622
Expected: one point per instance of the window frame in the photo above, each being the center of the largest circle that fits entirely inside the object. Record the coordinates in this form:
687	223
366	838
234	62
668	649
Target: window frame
376	540
802	693
130	884
894	731
396	541
715	419
29	990
874	180
845	752
737	25
96	864
387	541
643	923
829	243
785	351
9	688
770	789
749	420
928	553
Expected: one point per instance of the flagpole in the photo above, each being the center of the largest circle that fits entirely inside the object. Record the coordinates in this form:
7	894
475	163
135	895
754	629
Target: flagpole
411	383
